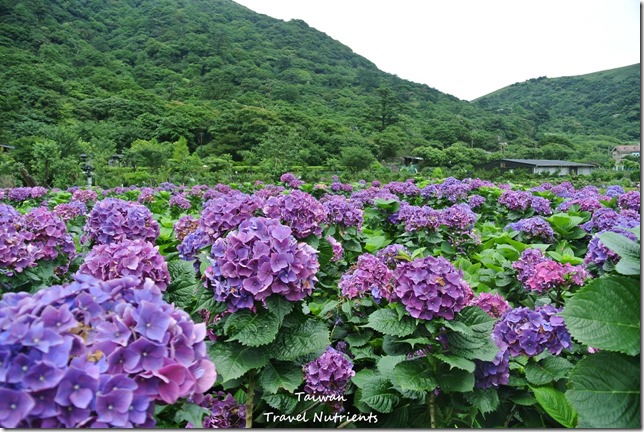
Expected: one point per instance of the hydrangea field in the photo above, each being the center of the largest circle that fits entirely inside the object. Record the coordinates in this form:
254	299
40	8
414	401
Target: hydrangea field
416	304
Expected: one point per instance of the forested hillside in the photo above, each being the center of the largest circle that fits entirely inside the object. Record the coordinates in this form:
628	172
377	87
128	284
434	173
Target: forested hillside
600	103
176	87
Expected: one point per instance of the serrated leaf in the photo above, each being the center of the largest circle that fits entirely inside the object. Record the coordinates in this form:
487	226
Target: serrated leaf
605	314
547	370
378	394
307	338
282	402
456	362
234	360
627	249
279	306
485	400
281	375
362	377
386	321
414	375
359	339
478	347
604	389
556	405
386	363
459	326
252	329
456	380
191	413
183	286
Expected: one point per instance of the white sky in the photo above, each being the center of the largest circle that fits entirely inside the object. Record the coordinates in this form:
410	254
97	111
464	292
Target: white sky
469	48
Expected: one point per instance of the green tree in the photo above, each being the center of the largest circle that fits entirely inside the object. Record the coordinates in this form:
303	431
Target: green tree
356	159
151	154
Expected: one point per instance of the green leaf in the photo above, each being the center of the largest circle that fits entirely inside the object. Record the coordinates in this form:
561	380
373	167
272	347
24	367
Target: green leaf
477	345
375	243
307	338
278	375
456	362
191	413
605	314
234	360
387	363
279	306
414	375
556	405
456	380
285	403
378	394
486	400
359	339
252	329
386	322
627	249
604	389
547	370
184	284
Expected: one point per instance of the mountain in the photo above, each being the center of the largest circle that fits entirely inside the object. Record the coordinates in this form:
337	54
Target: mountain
135	77
600	103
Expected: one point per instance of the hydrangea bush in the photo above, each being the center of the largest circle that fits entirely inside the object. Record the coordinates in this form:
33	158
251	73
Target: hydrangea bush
96	354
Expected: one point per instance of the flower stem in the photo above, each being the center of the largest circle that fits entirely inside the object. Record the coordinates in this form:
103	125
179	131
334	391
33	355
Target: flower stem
432	409
250	395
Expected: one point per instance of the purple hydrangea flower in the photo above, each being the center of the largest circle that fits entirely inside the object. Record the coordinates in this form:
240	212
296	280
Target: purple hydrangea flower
629	201
258	259
84	195
475	200
459	217
341	211
529	332
550	274
78	370
406	188
389	255
367	196
584	203
179	201
47	235
137	258
19	194
291	181
328	375
225	412
71	210
541	205
336	248
430	287
492	303
369	275
299	210
112	220
493	373
220	215
535	228
525	265
417	218
146	195
184	226
614	190
515	200
192	243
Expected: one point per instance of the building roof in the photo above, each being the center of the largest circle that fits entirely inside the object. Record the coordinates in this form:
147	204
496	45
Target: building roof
548	163
626	148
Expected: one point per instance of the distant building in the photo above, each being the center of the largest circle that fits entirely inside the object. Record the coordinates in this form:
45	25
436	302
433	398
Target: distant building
537	166
618	152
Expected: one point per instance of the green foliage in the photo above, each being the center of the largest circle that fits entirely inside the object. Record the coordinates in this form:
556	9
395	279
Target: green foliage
220	77
605	314
604	389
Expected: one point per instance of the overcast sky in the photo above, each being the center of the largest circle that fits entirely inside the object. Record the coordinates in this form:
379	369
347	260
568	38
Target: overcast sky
469	48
